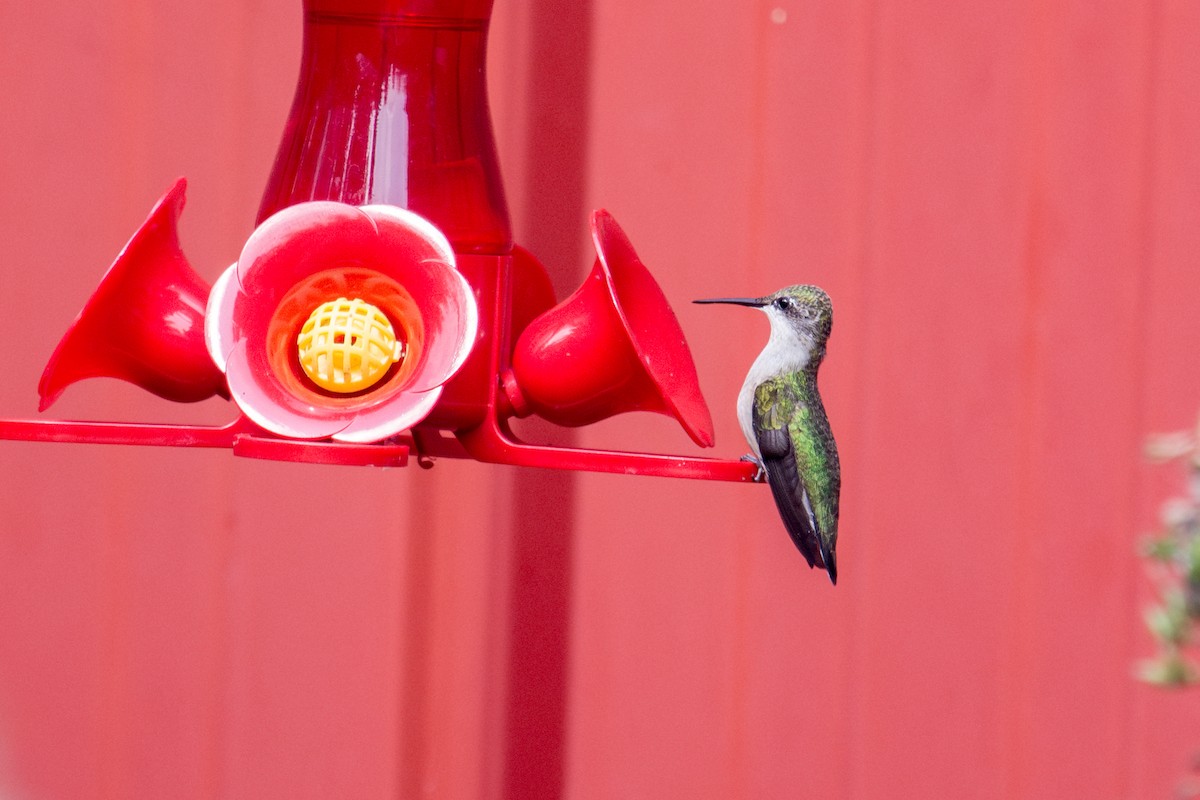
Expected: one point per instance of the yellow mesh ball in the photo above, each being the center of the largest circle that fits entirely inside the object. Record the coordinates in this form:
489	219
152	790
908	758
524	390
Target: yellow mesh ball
347	345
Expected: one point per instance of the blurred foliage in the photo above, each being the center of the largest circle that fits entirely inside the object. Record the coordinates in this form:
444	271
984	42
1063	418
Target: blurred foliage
1173	556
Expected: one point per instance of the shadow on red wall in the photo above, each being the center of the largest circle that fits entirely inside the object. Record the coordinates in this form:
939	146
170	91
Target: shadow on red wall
544	500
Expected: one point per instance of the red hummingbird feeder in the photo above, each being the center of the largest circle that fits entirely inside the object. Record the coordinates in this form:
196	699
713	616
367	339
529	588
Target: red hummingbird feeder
381	309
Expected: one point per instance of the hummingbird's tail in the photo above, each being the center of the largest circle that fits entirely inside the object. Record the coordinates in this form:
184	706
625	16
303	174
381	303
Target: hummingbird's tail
827	555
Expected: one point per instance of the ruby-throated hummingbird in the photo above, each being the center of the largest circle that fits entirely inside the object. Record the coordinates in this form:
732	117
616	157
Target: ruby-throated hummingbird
784	421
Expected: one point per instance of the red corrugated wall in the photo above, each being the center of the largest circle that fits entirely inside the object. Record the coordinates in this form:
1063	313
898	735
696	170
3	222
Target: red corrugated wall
1002	200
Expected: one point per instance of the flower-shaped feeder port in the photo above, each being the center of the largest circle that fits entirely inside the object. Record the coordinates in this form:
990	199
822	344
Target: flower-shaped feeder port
341	322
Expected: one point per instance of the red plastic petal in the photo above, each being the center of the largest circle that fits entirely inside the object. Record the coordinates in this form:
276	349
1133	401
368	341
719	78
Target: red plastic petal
220	334
420	259
304	239
404	411
269	407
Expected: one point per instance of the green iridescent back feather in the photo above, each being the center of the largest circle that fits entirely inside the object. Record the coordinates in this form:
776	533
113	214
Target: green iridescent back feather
793	400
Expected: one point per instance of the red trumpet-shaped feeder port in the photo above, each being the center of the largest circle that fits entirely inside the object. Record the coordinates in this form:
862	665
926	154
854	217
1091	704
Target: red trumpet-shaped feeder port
613	346
341	322
142	323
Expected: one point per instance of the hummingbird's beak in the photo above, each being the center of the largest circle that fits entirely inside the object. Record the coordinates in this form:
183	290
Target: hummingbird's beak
753	302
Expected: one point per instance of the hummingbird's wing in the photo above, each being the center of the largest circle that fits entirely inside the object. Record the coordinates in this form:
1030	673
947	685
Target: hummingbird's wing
773	409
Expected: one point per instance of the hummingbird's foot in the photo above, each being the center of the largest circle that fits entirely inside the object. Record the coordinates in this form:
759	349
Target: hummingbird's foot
760	474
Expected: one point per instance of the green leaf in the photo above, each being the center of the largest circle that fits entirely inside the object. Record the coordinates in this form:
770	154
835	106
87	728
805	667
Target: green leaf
1169	670
1162	549
1170	622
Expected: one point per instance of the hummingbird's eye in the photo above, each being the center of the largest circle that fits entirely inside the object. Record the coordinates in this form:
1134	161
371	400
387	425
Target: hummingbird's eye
783	303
